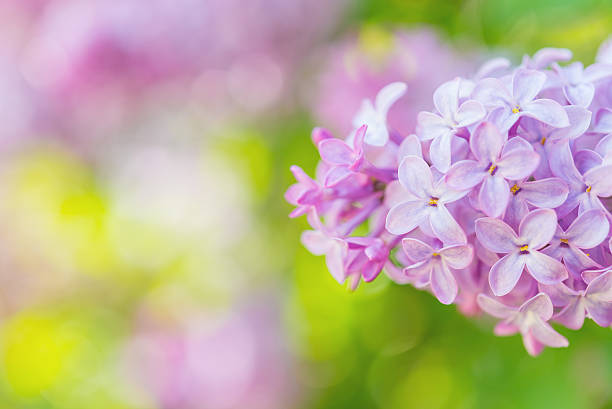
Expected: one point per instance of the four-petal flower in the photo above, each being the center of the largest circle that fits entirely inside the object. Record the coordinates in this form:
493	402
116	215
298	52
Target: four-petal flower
428	205
536	230
440	128
433	267
595	300
497	161
586	231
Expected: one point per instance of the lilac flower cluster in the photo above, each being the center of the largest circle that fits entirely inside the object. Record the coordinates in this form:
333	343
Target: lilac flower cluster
498	203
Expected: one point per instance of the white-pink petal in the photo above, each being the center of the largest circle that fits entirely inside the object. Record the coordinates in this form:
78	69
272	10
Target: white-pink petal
406	216
589	229
495	235
538	228
414	174
545	269
547	111
443	283
445	227
505	273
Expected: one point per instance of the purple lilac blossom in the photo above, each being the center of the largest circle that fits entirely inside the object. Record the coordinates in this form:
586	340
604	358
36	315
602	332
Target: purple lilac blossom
498	201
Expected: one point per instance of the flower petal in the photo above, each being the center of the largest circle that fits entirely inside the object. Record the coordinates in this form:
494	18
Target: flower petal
548	55
575	260
580	120
495	235
532	345
546	193
579	94
515	212
586	160
419	273
440	152
464	175
545	269
406	216
562	165
445	227
395	194
601	286
504	329
589	229
457	256
335	259
446	98
600	311
538	228
319	134
540	305
505	273
494	307
603	121
491	92
604	146
443	283
317	242
599	299
410	146
431	126
597	72
336	152
560	295
494	195
572	315
547	111
600	179
518	164
470	112
526	84
544	333
414	174
416	250
447	194
388	95
486	142
517	143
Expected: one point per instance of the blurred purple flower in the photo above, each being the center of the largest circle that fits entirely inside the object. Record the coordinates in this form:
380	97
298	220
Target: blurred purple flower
433	267
530	319
595	300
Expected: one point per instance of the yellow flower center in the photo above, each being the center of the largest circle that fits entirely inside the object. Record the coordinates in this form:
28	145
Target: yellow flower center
543	141
514	189
563	241
524	248
588	189
492	169
435	254
516	109
433	201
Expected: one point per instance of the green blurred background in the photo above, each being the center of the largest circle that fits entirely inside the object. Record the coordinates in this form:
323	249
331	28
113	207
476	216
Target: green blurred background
144	263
